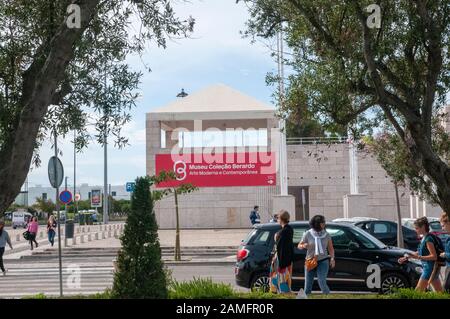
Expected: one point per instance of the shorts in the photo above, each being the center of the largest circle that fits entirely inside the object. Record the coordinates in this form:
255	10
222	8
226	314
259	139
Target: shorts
428	271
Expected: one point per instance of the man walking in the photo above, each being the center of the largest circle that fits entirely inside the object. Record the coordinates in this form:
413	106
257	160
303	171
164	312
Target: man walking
254	216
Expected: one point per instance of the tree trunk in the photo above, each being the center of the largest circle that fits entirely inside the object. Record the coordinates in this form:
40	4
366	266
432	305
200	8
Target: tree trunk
436	169
40	83
177	236
400	241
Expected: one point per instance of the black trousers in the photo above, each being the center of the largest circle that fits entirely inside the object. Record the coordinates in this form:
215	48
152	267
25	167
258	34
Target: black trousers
2	251
33	239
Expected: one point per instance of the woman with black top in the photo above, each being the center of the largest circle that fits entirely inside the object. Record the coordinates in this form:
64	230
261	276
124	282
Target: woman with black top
281	268
51	226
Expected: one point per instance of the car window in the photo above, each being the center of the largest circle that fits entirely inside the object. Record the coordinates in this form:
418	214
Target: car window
249	236
367	240
382	228
261	237
340	237
298	234
435	226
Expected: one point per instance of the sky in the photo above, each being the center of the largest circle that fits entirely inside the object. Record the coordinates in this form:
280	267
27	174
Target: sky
215	53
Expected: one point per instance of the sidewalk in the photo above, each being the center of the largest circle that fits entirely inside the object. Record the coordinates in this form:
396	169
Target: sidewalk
188	238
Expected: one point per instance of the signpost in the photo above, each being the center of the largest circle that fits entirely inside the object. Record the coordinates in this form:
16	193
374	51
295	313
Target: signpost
55	176
130	187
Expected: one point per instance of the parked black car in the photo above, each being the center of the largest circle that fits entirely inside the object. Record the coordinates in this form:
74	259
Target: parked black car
386	231
355	250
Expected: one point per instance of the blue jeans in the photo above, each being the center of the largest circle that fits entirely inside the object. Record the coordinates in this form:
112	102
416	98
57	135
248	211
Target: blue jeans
321	272
51	236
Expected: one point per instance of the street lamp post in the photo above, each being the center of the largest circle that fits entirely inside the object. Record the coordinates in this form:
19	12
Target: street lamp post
105	186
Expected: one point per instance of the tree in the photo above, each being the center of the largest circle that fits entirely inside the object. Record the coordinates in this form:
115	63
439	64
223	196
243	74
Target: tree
176	191
44	205
359	68
55	76
140	271
385	147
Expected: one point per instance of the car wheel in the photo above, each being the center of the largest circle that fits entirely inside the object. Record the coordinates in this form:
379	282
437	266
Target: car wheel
261	282
392	281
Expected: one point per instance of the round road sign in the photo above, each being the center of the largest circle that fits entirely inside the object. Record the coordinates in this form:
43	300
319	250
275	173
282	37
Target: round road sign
55	171
65	197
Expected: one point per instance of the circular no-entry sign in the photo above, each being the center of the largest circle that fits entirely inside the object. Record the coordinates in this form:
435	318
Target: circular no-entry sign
65	197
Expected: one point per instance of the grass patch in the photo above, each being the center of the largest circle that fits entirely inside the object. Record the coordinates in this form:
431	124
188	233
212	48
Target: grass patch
200	289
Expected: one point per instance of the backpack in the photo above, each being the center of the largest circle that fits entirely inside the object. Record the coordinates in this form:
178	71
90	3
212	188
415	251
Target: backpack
439	246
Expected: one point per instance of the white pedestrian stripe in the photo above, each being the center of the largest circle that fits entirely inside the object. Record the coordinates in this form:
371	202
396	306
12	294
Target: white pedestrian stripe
22	282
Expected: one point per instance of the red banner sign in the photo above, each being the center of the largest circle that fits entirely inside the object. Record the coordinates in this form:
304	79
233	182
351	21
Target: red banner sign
219	170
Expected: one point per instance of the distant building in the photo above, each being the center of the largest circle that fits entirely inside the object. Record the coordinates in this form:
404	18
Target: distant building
46	192
195	136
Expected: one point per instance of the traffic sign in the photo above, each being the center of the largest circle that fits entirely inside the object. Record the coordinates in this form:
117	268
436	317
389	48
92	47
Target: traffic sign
77	197
65	197
130	187
55	171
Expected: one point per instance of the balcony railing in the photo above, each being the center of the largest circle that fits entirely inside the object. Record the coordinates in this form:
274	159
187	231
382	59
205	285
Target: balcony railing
315	140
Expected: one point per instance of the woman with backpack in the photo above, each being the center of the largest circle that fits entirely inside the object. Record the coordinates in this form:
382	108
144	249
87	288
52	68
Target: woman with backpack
51	226
446	254
319	256
32	229
427	253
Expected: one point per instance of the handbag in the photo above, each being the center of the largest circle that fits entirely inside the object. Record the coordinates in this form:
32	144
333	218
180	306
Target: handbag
311	263
26	235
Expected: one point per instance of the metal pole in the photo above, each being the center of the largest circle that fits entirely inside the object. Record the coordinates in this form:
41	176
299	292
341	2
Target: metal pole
59	219
75	171
105	186
282	123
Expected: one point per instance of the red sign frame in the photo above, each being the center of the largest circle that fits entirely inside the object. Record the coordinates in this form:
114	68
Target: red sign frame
219	170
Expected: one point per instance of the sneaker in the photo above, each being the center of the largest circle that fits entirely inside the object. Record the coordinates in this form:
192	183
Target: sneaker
4	273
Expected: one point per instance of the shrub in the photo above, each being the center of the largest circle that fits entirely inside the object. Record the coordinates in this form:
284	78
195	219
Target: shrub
140	272
200	289
414	294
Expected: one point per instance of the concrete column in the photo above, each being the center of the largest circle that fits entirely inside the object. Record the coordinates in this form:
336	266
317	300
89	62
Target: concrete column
65	242
74	240
89	229
96	236
82	239
109	234
115	233
89	237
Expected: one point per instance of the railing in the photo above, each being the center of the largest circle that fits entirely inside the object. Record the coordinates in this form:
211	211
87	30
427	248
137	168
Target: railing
315	140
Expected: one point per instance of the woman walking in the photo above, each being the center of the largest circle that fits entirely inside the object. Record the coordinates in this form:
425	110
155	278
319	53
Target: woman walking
51	229
427	255
319	255
281	268
446	227
4	239
33	227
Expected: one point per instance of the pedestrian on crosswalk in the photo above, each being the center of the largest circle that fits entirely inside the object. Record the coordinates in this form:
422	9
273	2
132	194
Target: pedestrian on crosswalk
4	239
51	226
33	227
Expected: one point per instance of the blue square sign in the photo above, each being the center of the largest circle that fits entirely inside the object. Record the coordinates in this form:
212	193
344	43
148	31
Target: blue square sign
130	187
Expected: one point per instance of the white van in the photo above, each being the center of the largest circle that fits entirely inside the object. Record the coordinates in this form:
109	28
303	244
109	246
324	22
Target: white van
19	219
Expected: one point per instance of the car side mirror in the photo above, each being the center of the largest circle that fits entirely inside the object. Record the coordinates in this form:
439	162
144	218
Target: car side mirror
353	246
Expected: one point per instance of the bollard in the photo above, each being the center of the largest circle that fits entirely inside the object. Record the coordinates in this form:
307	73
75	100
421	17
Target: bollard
104	235
89	229
65	242
82	239
74	240
109	234
89	237
18	237
41	234
96	236
115	233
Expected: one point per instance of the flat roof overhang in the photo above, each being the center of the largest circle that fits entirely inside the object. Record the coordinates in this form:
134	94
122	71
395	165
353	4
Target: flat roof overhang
225	115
